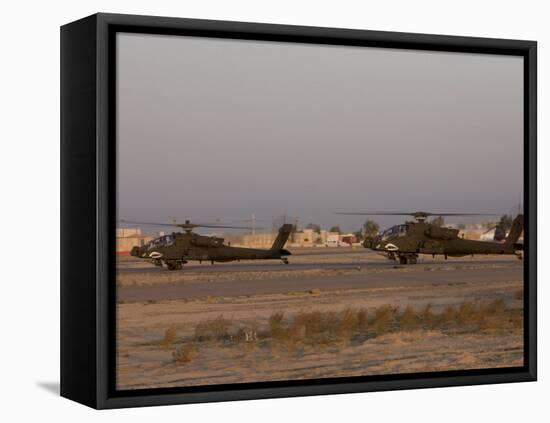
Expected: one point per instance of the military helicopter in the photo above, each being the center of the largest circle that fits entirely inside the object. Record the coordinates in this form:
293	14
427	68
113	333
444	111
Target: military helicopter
178	248
406	241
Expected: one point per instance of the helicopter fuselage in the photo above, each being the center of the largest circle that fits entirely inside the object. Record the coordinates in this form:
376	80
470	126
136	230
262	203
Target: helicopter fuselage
176	249
405	242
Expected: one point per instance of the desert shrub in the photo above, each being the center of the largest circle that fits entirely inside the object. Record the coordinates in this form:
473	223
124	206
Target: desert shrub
447	319
347	325
276	323
384	319
362	321
280	331
466	313
169	336
468	316
515	319
308	327
492	315
184	353
318	328
409	320
330	327
428	318
448	316
495	307
213	330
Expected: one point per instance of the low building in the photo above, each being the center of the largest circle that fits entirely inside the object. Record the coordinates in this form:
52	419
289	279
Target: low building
348	239
305	238
126	238
333	239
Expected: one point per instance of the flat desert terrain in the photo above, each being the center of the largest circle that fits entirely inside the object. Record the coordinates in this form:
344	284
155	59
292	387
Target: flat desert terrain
330	313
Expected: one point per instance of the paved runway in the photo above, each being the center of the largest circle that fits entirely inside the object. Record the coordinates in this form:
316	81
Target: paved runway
504	271
276	265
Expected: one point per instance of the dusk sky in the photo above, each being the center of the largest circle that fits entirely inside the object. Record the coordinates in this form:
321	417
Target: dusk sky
219	129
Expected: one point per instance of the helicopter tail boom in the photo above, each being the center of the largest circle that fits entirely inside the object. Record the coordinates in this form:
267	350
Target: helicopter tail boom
515	231
282	237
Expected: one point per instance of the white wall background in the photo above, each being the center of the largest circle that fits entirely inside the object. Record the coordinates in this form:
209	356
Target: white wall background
29	170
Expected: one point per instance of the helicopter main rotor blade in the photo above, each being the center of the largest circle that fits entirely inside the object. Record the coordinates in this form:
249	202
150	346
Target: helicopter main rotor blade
418	213
132	222
205	225
374	213
188	225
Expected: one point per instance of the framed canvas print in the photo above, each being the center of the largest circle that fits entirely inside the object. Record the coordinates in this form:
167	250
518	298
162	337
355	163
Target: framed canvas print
255	211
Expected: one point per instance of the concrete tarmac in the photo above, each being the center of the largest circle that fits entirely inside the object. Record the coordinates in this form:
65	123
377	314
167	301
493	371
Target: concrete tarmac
277	265
491	271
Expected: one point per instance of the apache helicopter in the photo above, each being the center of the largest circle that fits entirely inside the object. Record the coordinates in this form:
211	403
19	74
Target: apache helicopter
406	241
176	249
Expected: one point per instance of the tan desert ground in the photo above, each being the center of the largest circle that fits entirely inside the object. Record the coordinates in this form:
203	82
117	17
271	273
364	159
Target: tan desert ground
330	313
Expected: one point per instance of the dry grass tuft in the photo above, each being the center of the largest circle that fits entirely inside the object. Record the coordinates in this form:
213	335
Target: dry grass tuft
318	328
384	319
184	354
340	329
448	315
169	337
213	330
428	318
409	320
276	324
466	313
362	320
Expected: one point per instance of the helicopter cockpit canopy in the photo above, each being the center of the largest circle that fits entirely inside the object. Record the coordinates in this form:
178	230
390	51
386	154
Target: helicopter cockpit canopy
397	230
163	241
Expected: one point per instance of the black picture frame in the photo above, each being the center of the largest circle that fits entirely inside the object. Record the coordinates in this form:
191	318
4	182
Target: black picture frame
88	292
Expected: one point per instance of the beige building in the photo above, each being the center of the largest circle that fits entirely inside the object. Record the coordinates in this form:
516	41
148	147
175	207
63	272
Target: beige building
305	238
333	239
126	238
299	239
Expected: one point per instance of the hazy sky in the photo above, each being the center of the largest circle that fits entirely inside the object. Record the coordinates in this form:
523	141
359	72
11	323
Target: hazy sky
219	129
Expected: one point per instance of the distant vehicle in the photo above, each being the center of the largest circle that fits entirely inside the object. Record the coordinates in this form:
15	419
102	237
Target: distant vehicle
178	248
405	242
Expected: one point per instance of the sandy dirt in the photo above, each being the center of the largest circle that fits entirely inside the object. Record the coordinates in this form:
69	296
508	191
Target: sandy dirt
145	356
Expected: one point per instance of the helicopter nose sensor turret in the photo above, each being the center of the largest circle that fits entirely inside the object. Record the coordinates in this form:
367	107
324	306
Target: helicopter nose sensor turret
135	251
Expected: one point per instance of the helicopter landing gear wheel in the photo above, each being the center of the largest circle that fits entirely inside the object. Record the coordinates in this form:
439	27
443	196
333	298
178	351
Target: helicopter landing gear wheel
284	260
408	259
174	265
